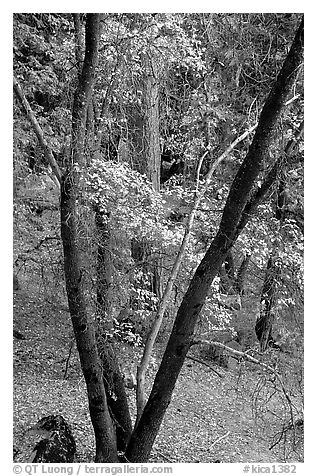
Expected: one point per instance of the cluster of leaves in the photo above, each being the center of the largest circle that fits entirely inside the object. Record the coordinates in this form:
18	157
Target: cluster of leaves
128	199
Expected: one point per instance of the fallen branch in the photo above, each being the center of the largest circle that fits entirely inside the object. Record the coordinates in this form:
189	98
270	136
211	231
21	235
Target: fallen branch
246	356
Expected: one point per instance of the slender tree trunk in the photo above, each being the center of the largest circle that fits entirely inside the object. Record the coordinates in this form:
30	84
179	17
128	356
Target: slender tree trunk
141	371
143	437
152	121
38	131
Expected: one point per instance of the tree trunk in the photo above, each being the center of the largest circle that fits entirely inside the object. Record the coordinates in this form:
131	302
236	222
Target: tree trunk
79	41
151	123
106	450
143	437
153	172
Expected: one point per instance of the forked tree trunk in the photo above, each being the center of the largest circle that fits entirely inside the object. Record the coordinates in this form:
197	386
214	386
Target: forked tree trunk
236	213
143	437
84	330
112	376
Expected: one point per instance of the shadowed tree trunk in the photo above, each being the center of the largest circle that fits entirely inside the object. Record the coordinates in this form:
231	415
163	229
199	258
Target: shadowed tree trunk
264	324
112	375
181	338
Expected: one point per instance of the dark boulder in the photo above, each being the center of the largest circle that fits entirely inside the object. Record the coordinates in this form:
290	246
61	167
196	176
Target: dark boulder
16	285
57	444
18	335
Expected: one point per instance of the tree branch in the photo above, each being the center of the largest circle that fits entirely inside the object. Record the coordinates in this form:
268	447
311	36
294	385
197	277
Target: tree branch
37	129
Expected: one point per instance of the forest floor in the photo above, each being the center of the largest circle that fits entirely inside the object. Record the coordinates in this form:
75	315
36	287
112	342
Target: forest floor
210	417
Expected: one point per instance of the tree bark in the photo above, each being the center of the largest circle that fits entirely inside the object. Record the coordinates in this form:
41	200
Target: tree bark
79	42
152	121
106	450
143	437
153	172
84	329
